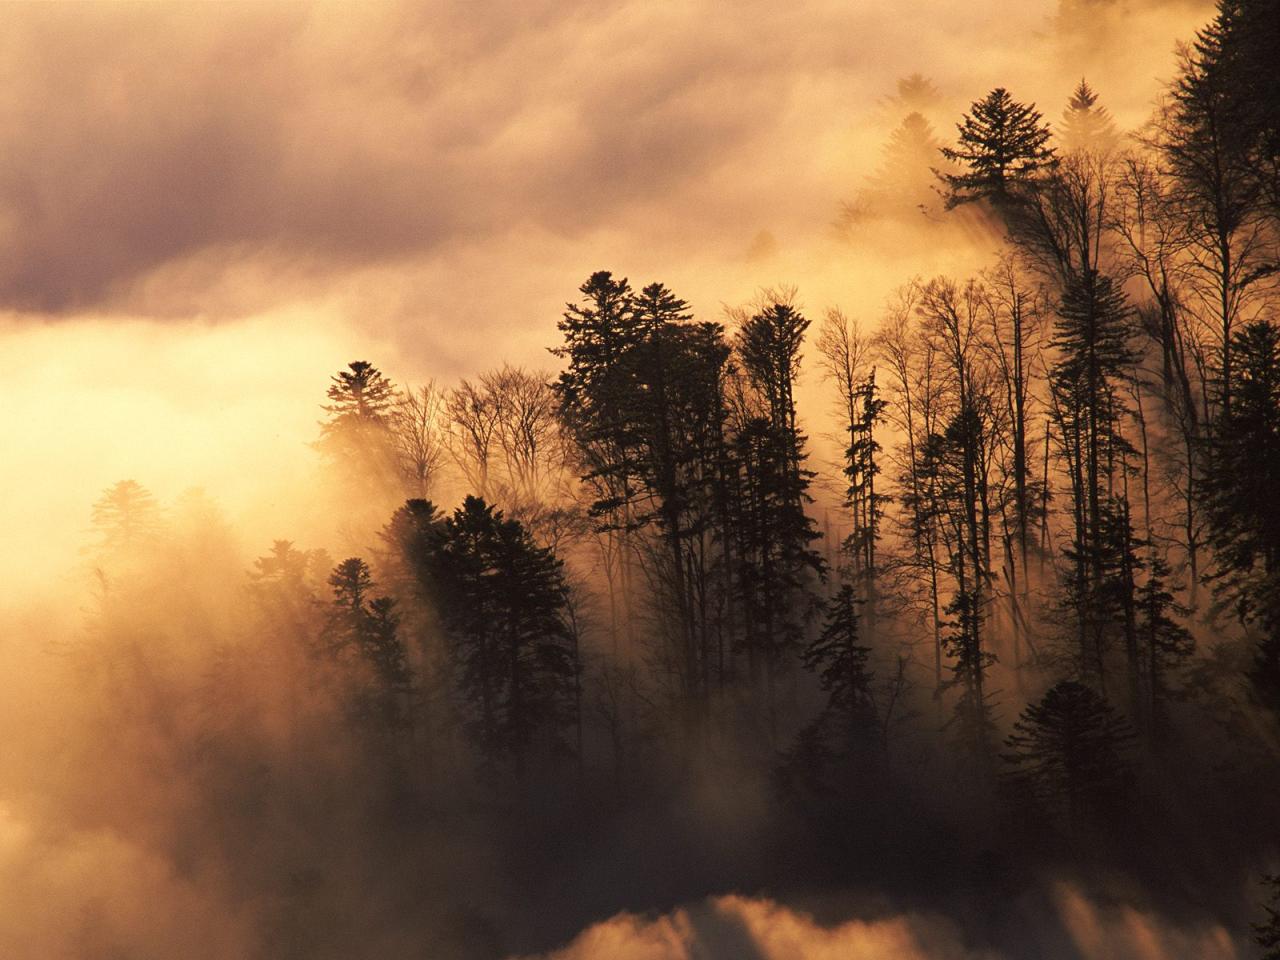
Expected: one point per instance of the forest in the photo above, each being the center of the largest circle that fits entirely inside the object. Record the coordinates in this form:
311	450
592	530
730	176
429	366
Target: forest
615	633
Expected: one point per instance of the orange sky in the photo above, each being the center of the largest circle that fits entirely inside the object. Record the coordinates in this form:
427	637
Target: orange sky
207	208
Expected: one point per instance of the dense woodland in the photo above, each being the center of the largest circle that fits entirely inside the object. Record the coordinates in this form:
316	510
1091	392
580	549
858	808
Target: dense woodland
618	637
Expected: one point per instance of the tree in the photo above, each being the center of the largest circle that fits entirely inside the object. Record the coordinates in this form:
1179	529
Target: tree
861	409
1092	338
362	636
679	430
1205	139
126	517
643	401
1085	124
912	360
1012	341
1168	644
954	466
283	584
473	414
418	433
1267	933
1240	490
1153	245
1002	146
904	181
357	437
502	601
840	661
775	559
361	403
595	394
1068	752
596	389
526	432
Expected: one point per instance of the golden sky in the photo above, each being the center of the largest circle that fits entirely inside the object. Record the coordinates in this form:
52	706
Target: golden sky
206	208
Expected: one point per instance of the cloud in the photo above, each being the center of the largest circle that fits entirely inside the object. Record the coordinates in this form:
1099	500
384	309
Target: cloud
744	928
212	159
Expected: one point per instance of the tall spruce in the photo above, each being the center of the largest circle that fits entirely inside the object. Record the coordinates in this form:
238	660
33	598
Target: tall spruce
502	601
1002	146
1244	524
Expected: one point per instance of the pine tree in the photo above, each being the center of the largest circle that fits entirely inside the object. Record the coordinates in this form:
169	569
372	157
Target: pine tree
861	467
915	92
283	584
358	435
643	400
776	562
1207	144
1002	146
1068	752
841	664
861	409
904	180
1168	644
362	637
1093	338
125	517
502	600
1267	933
1240	491
597	389
387	701
1085	124
680	413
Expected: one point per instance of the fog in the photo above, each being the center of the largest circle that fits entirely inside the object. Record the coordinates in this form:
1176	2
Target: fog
208	210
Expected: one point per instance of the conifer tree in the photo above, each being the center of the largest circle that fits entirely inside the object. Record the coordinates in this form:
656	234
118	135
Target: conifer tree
502	599
1207	144
1003	145
1267	933
1068	752
125	517
362	636
840	661
1093	337
1087	125
776	561
1167	643
904	182
358	437
1244	525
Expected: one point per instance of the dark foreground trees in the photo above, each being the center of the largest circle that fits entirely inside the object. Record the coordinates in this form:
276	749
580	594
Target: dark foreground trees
1067	752
502	601
1268	932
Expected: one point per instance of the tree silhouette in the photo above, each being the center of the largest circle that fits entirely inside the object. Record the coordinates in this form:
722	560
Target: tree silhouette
841	664
358	435
362	632
1086	125
776	562
418	432
1002	145
1267	933
1244	475
502	601
1068	752
126	516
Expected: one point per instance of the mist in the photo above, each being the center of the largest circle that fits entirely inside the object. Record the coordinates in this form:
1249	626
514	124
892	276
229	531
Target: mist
215	213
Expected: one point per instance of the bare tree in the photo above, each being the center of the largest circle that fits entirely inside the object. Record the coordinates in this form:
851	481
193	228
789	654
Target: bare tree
418	431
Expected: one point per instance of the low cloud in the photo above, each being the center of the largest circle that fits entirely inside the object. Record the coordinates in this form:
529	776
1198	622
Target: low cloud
743	928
